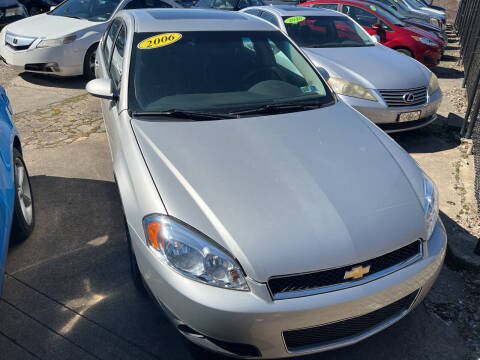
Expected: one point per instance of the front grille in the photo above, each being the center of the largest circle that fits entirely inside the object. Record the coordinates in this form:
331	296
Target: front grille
395	98
18	48
283	287
304	339
17	42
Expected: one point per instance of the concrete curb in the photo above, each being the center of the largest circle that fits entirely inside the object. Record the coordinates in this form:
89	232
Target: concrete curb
460	251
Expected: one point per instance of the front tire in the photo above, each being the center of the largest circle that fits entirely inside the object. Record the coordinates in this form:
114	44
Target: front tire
24	213
89	63
405	52
134	269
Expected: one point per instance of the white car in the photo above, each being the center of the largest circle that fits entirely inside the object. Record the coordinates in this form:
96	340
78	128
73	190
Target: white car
64	41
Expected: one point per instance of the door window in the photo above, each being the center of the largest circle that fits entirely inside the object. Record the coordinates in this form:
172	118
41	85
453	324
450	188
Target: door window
110	38
116	64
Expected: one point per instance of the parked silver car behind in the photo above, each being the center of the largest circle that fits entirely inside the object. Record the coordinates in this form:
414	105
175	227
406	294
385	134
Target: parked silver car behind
268	218
394	91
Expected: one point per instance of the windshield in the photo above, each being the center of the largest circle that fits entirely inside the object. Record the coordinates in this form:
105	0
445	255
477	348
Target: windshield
326	32
391	10
220	72
93	10
387	15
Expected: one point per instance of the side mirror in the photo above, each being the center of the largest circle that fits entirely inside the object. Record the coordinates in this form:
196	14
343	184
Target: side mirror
376	38
323	72
101	88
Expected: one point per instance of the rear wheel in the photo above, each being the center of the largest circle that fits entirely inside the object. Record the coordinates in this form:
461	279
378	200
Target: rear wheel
405	52
89	63
24	214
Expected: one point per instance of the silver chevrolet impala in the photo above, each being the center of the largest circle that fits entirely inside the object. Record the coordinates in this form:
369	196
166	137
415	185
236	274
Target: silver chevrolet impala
267	217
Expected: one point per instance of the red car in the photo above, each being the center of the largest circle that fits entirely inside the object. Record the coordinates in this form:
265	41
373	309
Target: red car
392	32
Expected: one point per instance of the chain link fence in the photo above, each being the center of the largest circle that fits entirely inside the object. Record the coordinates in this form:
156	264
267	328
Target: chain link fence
467	25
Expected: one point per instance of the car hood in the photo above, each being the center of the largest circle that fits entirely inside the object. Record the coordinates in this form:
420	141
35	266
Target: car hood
374	67
287	193
421	32
422	25
49	26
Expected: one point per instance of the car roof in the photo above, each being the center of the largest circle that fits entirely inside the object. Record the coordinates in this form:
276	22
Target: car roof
157	20
289	10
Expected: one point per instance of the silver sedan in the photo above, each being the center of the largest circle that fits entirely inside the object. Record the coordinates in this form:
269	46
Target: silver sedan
266	216
394	91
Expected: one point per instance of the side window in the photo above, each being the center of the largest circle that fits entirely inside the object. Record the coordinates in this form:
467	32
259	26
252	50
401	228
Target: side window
253	12
117	58
269	17
363	17
146	4
326	6
256	3
110	38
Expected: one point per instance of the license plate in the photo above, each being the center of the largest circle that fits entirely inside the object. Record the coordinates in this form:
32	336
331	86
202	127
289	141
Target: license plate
409	116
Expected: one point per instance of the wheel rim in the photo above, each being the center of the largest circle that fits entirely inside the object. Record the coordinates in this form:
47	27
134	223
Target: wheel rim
24	193
91	63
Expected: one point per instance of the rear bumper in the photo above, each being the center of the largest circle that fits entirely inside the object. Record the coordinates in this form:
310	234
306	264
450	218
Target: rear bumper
213	317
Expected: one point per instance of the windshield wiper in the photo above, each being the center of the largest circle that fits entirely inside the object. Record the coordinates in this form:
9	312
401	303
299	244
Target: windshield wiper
186	114
275	108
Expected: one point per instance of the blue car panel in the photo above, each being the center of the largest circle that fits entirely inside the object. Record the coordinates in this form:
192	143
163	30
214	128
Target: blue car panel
7	187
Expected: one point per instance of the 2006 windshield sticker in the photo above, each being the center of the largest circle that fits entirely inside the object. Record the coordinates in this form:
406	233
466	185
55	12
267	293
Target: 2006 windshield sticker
294	19
159	41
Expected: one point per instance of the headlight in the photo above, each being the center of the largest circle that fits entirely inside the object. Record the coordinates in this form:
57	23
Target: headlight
434	22
348	88
191	253
56	42
16	11
433	85
430	205
425	41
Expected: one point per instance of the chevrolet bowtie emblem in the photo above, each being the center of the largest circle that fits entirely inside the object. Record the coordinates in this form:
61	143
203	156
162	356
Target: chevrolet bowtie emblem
357	272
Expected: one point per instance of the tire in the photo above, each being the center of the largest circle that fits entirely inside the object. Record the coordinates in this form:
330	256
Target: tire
136	275
89	63
24	211
405	52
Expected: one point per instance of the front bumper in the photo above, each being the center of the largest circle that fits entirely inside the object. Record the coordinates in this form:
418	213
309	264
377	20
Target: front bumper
213	317
59	60
388	117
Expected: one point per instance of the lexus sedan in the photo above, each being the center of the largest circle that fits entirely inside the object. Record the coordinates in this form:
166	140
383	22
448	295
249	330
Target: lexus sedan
64	41
392	90
17	216
257	230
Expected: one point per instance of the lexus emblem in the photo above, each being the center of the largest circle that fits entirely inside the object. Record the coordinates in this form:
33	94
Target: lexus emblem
408	98
15	41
